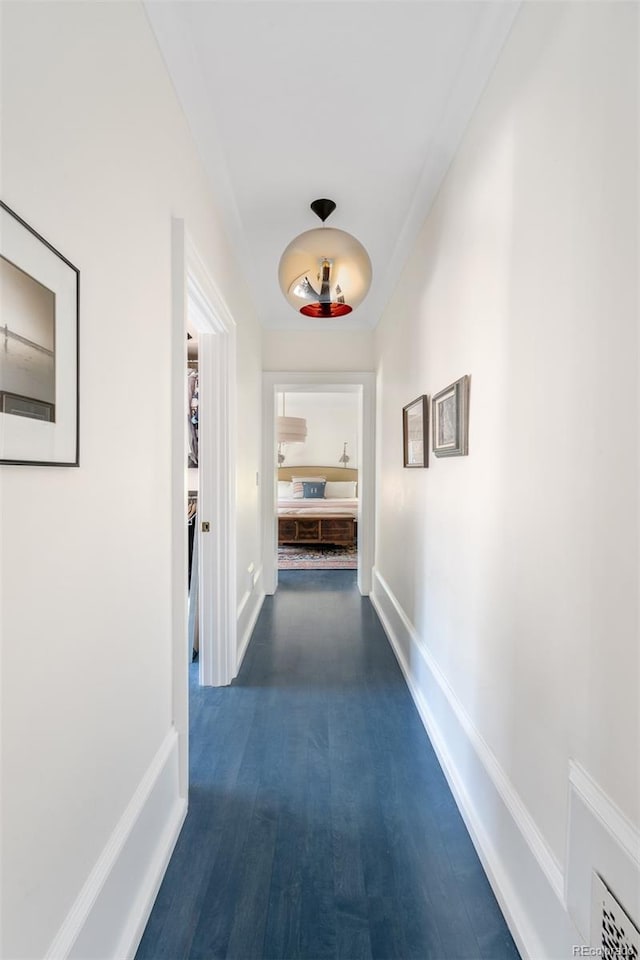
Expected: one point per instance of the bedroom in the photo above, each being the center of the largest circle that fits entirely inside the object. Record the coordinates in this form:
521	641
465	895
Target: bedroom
317	479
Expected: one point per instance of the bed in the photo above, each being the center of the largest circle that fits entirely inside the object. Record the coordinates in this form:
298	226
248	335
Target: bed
329	519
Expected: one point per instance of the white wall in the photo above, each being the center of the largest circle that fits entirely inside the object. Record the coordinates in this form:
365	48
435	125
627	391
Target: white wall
315	350
97	157
509	578
331	419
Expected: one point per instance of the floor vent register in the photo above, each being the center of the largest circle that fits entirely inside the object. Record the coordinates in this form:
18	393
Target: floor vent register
613	934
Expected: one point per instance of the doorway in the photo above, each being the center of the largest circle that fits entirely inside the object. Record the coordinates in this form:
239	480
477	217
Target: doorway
363	385
317	479
198	307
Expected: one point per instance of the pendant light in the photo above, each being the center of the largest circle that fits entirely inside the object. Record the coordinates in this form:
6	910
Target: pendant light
325	272
289	430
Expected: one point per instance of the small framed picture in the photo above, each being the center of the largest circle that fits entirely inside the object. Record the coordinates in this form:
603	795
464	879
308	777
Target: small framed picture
415	432
39	316
450	414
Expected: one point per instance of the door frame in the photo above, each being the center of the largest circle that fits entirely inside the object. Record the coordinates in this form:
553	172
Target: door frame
193	289
274	382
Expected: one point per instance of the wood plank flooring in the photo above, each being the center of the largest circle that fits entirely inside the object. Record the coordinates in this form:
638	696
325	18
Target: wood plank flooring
320	824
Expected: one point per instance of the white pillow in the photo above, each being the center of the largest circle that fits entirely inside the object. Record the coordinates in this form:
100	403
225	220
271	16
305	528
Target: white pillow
285	490
345	489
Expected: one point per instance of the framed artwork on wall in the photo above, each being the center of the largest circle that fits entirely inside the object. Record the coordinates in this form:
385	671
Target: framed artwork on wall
415	432
450	417
39	327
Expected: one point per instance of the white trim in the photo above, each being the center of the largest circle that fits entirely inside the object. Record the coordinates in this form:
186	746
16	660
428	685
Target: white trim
175	43
512	850
610	816
206	565
111	911
473	75
510	797
242	606
364	382
600	840
216	355
205	290
248	612
179	536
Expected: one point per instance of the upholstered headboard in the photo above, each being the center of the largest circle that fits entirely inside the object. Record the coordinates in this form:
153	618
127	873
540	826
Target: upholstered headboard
330	473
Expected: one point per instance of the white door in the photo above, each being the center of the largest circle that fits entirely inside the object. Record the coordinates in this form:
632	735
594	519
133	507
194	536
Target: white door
216	514
194	294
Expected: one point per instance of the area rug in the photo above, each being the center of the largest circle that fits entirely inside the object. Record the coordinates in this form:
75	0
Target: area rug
322	557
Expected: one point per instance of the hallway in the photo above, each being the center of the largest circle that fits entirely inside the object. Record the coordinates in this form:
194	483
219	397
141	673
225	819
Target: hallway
320	824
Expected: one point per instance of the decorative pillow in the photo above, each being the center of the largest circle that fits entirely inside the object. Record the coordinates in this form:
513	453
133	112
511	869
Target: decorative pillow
296	484
313	489
346	489
285	490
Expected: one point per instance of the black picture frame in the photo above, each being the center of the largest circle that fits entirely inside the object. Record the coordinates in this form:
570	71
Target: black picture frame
41	291
415	432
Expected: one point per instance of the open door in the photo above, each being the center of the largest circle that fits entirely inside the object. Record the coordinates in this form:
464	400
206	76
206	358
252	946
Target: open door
216	486
195	296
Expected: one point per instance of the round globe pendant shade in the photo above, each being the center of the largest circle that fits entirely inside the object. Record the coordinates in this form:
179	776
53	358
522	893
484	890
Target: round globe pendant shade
325	273
291	430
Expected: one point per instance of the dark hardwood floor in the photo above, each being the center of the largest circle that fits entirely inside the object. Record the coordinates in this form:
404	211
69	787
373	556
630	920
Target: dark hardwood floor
320	823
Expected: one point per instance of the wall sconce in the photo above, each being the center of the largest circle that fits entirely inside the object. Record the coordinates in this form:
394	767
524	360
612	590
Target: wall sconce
344	459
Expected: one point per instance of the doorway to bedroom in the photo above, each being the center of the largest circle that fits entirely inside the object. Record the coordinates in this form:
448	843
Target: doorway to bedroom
318	451
317	478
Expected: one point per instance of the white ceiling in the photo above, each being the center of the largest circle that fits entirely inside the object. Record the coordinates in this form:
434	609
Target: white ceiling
363	102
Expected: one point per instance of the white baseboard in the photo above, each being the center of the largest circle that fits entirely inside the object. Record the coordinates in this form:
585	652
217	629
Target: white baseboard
600	839
110	913
248	612
525	876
